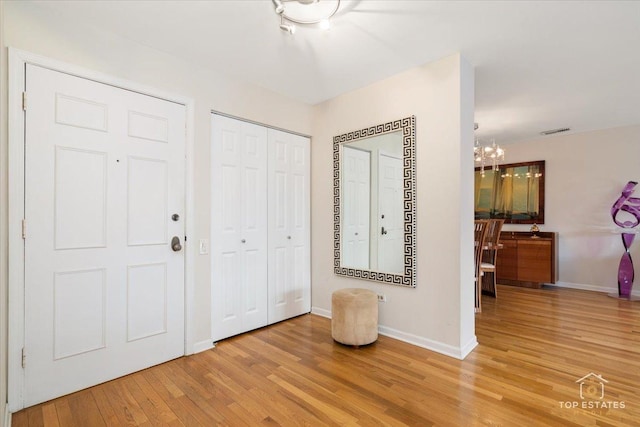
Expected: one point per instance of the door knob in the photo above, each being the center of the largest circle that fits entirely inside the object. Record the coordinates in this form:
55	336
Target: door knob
383	231
175	244
243	241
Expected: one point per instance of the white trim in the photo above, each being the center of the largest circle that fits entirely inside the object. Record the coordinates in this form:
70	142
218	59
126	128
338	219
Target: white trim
592	288
438	347
15	168
468	348
17	61
191	249
243	119
7	416
202	346
321	312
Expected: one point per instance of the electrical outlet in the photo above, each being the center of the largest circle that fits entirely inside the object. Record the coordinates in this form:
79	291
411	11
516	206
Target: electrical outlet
382	298
203	247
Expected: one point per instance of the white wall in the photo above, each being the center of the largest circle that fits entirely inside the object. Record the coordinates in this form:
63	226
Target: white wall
585	173
438	313
28	29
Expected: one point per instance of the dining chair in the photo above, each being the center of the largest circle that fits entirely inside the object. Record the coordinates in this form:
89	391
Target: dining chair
480	232
490	256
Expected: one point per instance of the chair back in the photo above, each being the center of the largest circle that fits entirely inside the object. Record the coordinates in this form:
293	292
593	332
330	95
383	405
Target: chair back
493	234
480	234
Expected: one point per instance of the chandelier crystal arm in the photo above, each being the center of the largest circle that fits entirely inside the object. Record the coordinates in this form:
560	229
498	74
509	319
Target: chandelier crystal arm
488	154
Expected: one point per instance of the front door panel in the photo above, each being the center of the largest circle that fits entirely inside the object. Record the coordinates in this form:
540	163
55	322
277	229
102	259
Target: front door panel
104	291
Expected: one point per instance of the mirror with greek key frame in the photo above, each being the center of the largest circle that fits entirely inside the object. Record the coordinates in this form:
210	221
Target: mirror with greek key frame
374	187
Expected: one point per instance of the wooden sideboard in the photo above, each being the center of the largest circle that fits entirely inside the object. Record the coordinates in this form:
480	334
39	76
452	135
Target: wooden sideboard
527	261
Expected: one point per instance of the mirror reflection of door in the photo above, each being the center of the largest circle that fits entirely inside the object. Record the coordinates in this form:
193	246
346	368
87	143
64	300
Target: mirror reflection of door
356	176
390	214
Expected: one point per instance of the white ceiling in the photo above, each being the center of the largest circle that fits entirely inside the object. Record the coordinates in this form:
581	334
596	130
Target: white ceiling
539	64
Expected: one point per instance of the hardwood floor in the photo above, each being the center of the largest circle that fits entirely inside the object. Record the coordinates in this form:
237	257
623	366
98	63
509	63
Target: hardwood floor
534	345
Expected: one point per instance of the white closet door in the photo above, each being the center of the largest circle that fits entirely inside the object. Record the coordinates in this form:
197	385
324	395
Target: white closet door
104	292
289	248
238	227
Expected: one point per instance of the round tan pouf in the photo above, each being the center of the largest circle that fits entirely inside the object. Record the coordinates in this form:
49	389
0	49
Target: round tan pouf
354	316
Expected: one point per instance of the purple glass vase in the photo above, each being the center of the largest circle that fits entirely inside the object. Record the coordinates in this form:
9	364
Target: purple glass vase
631	205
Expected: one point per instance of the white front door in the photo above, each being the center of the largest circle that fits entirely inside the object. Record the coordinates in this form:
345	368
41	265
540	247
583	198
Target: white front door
390	215
356	213
104	175
238	227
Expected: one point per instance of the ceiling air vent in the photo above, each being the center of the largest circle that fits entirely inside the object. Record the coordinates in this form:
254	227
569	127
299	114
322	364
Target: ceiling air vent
553	131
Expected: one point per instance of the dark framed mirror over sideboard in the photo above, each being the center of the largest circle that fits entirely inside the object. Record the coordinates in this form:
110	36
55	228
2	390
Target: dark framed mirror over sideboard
513	192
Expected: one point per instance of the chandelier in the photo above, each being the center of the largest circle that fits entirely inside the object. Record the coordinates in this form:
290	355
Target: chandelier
487	155
305	12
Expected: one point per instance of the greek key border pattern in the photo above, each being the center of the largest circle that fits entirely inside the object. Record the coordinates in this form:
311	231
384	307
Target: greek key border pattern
408	127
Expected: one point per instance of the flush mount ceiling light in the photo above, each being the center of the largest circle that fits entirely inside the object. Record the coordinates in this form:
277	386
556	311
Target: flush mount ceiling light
305	12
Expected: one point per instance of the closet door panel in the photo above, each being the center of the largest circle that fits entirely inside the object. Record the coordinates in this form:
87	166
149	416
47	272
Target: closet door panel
238	227
289	293
300	227
230	284
279	200
300	279
280	276
254	291
279	246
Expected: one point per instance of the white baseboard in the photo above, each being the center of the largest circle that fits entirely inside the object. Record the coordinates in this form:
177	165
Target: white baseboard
438	347
202	346
593	288
7	416
321	312
468	348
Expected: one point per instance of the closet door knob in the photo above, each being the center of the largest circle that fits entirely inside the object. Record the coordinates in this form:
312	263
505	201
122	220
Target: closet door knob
242	241
289	237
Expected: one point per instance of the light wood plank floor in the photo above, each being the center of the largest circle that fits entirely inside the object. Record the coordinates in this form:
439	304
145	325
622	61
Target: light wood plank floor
534	345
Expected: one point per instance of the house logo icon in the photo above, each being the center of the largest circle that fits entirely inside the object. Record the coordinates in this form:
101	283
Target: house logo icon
592	386
592	395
